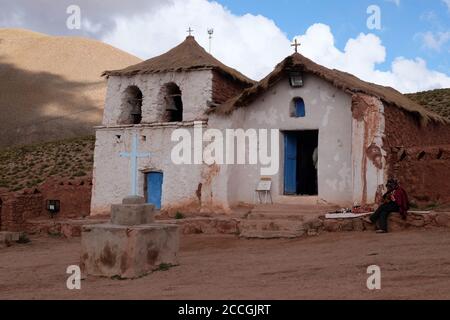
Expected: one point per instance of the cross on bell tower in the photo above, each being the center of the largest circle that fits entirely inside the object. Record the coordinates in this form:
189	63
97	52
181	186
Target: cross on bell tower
190	31
296	44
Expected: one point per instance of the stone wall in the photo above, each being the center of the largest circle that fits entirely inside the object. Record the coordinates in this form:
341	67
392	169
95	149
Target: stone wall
418	155
395	223
17	209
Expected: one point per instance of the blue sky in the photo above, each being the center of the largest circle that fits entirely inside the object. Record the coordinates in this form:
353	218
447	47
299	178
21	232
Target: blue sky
401	24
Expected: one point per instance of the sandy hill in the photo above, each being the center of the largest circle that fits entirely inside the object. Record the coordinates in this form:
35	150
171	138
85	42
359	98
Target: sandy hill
436	100
50	87
30	166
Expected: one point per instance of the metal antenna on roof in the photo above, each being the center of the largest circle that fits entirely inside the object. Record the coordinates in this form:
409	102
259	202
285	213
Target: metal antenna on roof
296	45
190	31
210	33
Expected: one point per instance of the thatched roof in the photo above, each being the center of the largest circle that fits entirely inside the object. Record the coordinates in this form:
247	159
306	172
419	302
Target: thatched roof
187	56
339	79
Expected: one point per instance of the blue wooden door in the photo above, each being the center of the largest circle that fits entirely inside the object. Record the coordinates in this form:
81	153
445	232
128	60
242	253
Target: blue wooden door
154	188
290	164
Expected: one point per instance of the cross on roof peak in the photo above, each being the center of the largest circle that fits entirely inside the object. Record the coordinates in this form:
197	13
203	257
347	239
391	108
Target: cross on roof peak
296	44
190	31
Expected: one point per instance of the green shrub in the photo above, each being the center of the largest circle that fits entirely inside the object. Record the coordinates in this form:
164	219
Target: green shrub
79	173
164	267
23	239
179	215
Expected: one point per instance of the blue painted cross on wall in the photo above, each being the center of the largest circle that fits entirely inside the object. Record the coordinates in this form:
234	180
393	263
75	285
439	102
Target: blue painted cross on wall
134	155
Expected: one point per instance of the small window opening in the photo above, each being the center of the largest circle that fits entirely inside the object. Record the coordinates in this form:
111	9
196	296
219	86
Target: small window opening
402	155
421	155
297	109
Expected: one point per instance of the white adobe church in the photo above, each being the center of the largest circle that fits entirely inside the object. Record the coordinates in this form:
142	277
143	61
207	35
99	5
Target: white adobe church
317	110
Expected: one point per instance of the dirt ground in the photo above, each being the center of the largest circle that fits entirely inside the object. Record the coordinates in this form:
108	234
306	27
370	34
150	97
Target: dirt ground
414	265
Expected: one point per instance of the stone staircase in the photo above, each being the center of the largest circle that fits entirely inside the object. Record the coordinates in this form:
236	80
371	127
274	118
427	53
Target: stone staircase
283	220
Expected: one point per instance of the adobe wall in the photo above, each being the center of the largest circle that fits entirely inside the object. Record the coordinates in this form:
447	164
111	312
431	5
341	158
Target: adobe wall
368	157
223	88
418	155
17	209
75	196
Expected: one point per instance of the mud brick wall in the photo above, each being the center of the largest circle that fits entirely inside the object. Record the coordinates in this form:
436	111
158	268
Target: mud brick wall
418	155
16	210
224	88
75	196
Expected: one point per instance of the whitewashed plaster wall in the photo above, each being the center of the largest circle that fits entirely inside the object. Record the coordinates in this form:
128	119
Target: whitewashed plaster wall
112	172
328	110
195	86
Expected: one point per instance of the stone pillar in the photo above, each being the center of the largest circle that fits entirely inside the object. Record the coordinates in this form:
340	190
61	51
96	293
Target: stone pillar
131	245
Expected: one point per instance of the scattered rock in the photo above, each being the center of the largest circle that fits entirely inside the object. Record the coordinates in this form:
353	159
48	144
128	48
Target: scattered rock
416	222
358	225
331	225
317	224
443	219
347	225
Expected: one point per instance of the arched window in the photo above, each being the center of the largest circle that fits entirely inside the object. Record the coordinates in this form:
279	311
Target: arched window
132	106
297	109
173	103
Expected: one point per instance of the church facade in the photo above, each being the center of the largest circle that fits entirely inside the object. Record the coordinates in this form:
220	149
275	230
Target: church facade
337	142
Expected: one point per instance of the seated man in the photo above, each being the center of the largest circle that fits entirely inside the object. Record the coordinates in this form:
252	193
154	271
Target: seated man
394	200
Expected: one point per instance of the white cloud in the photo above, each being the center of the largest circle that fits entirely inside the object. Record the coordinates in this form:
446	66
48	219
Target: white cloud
397	2
253	44
49	16
250	43
435	41
447	2
361	56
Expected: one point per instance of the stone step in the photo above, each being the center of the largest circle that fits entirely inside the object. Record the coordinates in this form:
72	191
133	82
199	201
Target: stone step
269	229
270	235
298	200
289	212
289	208
291	216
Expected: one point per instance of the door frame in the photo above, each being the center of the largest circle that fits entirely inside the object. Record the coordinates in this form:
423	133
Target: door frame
284	140
145	172
287	136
